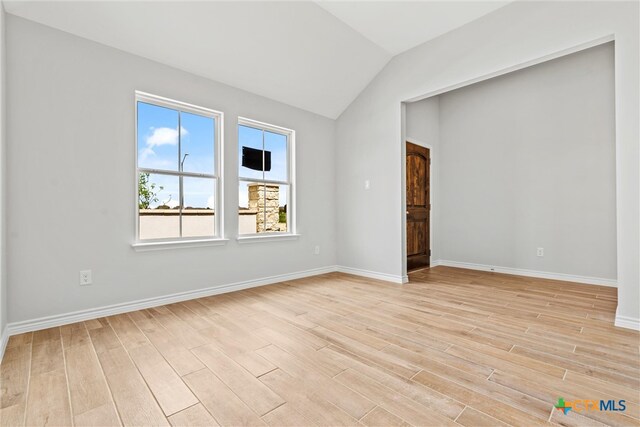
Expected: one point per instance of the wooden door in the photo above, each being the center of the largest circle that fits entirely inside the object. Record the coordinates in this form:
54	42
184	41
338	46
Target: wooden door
418	206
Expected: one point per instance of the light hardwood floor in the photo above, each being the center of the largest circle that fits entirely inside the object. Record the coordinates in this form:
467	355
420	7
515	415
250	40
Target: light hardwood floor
453	347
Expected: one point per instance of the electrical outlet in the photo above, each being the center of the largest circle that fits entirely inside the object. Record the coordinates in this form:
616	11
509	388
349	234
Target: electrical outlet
316	251
540	252
85	277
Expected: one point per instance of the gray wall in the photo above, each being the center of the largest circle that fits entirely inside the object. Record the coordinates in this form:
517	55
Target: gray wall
3	251
527	160
70	153
370	132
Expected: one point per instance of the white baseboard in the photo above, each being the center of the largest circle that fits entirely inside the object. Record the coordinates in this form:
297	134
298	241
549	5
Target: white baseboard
374	274
4	339
15	328
82	315
529	273
627	322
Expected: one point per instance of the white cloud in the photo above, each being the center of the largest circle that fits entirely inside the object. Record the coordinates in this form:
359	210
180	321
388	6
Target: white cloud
144	155
161	136
164	136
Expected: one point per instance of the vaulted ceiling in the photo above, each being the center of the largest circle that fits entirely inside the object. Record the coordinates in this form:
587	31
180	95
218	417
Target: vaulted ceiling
317	56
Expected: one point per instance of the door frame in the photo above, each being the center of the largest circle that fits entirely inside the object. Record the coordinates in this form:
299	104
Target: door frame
433	158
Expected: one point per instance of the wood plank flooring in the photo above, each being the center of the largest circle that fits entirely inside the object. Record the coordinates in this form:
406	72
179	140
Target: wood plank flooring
452	347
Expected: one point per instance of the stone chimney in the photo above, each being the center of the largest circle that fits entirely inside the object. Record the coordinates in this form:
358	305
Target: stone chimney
266	204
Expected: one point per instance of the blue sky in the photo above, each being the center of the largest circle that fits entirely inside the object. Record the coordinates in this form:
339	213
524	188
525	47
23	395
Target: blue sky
158	149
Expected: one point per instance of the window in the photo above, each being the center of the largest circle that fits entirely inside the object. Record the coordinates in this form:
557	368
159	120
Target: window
179	166
266	178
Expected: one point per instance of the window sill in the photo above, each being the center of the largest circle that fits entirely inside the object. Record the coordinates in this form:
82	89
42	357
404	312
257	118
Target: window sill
267	238
177	244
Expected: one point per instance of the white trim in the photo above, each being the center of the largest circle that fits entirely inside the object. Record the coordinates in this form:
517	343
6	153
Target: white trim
255	238
627	322
374	274
529	273
176	244
82	315
149	98
4	340
245	121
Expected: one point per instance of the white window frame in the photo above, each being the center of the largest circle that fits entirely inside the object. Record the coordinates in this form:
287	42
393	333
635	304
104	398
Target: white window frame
291	182
218	237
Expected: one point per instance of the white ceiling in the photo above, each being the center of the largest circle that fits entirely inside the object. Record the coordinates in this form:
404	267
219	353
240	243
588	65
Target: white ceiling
315	56
397	26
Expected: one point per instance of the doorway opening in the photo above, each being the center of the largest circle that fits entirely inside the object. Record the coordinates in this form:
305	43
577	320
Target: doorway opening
492	208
